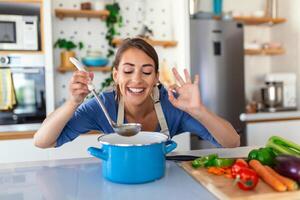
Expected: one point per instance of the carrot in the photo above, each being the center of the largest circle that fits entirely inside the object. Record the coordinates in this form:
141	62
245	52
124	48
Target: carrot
267	176
291	185
216	170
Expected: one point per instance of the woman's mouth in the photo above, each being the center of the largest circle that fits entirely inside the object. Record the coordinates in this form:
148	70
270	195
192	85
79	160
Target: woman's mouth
134	90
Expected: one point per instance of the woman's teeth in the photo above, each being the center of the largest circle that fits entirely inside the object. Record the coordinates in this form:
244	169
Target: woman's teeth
136	90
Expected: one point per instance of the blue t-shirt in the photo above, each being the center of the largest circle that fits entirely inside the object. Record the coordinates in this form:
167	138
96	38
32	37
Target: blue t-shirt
89	116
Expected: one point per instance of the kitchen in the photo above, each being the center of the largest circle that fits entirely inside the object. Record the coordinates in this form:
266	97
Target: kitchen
168	24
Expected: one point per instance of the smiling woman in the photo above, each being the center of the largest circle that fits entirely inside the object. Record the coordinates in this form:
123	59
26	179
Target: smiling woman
138	98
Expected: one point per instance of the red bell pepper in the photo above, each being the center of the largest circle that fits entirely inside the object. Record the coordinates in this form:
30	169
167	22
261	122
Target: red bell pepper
237	166
246	178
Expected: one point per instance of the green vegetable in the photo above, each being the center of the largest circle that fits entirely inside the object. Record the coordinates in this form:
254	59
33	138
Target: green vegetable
283	146
212	160
205	161
223	162
265	155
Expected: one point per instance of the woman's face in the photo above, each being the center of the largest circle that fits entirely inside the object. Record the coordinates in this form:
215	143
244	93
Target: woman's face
135	76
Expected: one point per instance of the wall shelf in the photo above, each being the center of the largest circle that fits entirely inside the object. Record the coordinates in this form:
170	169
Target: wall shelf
259	20
271	52
91	69
163	43
62	13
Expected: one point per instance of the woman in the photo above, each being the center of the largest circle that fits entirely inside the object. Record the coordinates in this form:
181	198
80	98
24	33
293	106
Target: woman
136	99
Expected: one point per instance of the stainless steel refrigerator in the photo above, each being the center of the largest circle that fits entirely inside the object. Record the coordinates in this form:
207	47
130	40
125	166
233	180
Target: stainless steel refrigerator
217	55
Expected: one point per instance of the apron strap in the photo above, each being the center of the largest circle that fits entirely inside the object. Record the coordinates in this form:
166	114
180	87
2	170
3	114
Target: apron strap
120	117
159	112
158	109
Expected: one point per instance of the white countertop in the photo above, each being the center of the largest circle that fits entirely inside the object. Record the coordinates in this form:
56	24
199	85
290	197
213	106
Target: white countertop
269	116
82	179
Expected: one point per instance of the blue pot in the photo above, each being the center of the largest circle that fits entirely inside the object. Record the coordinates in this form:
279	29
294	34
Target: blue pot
136	159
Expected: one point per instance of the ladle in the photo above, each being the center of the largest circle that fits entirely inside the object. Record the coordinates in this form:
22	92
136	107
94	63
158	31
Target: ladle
129	129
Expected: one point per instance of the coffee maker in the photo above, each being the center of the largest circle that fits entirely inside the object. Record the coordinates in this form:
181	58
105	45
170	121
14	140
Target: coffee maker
279	93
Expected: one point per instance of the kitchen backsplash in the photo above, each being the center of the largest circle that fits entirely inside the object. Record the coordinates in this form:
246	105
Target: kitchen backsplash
159	16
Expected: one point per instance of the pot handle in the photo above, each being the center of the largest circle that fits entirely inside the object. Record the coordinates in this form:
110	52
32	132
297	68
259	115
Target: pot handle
99	153
170	146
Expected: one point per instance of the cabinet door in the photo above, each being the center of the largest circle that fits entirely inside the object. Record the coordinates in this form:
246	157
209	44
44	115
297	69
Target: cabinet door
21	150
259	133
75	149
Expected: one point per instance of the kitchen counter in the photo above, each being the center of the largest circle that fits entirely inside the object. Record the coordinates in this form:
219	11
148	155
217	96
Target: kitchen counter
270	116
82	179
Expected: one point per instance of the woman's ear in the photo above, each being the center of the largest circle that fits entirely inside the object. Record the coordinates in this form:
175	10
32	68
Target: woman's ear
115	74
157	78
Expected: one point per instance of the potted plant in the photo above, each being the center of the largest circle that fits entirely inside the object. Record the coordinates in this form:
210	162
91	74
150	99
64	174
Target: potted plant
68	46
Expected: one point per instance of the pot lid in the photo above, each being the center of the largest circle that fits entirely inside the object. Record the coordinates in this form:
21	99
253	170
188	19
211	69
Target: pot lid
140	139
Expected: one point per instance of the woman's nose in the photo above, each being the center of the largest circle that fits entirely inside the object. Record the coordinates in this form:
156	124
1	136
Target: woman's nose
137	76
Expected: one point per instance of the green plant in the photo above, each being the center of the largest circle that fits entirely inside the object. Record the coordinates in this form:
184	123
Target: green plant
113	21
67	44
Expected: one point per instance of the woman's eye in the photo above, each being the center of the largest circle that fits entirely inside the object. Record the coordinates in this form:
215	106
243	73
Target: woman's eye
147	73
127	72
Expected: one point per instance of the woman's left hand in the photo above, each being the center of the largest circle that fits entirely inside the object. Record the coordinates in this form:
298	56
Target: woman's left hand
188	92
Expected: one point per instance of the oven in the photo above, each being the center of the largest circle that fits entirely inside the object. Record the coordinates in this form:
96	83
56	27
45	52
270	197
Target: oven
22	91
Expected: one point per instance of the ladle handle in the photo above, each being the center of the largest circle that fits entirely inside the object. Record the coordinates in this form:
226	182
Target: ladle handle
91	87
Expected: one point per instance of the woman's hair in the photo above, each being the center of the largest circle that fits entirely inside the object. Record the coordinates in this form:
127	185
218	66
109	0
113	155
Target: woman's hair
140	44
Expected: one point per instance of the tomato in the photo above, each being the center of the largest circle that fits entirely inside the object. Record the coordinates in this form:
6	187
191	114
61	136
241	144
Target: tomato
246	178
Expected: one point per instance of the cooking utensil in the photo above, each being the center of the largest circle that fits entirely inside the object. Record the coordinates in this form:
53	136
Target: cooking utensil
129	129
182	157
136	159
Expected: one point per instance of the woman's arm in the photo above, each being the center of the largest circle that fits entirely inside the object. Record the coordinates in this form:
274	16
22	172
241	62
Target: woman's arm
189	100
52	126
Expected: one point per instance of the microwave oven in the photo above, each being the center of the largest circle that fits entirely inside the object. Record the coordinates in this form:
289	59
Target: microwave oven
18	32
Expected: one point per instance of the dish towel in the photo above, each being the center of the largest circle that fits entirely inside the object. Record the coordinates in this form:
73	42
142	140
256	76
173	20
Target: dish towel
7	93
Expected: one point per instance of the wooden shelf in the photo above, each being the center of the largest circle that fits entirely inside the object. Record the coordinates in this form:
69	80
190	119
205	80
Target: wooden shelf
62	13
271	52
91	69
259	20
20	52
163	43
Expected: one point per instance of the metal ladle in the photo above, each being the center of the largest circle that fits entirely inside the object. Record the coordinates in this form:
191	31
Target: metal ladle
129	129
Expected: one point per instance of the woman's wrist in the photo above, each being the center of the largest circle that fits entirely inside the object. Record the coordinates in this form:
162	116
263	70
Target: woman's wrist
72	104
199	112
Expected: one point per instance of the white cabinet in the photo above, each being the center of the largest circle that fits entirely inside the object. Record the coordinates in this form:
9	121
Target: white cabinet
22	150
259	133
75	149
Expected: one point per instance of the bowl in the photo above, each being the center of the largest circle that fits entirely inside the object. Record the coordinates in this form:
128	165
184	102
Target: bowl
95	61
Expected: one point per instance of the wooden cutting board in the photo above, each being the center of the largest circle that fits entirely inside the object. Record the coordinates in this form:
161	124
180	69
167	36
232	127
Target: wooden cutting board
223	187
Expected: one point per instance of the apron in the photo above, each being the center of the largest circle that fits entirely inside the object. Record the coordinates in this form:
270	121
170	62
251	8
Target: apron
158	109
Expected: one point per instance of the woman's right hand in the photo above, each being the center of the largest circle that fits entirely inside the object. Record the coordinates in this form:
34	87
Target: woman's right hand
78	86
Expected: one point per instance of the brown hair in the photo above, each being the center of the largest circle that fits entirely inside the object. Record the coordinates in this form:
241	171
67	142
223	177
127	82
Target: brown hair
140	44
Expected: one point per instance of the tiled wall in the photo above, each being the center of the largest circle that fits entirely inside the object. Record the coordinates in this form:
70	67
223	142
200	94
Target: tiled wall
160	16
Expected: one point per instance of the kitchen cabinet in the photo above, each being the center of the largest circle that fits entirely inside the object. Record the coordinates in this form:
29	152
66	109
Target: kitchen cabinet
21	150
259	133
261	126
